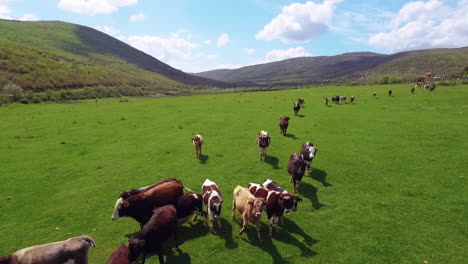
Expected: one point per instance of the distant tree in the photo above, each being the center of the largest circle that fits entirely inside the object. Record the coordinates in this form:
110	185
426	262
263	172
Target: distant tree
14	90
385	80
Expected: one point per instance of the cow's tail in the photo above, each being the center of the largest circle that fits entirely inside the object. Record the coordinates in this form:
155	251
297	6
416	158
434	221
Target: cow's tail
88	240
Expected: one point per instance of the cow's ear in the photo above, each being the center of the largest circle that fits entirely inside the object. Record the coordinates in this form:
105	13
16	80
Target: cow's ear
125	203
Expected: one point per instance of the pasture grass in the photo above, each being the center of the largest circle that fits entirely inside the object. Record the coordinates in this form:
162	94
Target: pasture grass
387	185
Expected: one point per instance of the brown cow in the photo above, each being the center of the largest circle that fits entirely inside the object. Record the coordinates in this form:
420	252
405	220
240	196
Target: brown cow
301	101
197	142
249	207
155	232
120	256
140	206
188	205
283	124
73	250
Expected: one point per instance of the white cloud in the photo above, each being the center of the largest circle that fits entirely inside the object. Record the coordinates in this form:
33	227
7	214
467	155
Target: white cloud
223	40
300	22
207	42
425	24
249	51
178	50
108	30
137	17
29	17
93	7
277	55
5	12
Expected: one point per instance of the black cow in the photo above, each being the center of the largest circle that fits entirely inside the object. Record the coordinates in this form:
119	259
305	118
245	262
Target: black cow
296	168
390	92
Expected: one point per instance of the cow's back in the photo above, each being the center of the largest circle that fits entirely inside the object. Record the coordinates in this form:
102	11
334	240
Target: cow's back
165	193
161	226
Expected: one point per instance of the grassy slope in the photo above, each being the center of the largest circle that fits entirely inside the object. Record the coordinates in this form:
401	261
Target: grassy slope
56	55
356	66
388	184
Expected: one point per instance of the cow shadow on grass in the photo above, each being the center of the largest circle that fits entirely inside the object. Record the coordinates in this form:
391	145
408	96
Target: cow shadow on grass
310	192
203	158
267	244
191	230
180	258
285	237
273	161
226	234
292	227
289	135
301	116
320	176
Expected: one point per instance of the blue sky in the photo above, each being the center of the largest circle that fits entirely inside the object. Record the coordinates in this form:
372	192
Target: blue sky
203	35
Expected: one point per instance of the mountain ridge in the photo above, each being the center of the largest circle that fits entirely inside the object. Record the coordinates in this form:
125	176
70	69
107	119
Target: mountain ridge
363	67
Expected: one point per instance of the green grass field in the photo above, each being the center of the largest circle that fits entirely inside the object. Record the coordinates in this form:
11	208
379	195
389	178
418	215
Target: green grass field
387	185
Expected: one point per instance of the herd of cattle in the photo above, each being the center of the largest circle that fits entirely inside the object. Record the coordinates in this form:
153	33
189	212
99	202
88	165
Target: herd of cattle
160	208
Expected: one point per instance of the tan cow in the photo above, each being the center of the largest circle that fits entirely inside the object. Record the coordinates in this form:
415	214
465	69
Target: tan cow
249	207
197	142
73	250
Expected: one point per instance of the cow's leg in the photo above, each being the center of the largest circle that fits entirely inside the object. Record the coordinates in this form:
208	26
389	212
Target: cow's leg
270	226
233	209
257	227
219	222
175	239
160	255
245	223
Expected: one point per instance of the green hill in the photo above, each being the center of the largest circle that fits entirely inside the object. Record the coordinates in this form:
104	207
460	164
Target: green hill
362	67
58	55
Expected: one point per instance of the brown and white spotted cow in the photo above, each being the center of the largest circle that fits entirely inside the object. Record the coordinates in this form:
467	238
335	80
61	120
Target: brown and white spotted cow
214	202
308	153
249	207
273	186
296	108
263	142
71	251
276	203
197	142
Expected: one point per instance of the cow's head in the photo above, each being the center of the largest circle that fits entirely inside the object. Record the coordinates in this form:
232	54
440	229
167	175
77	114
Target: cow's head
120	208
295	200
136	246
286	202
216	204
196	139
257	205
312	150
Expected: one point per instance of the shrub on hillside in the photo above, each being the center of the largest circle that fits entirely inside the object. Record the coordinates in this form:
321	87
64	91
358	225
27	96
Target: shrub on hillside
14	90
